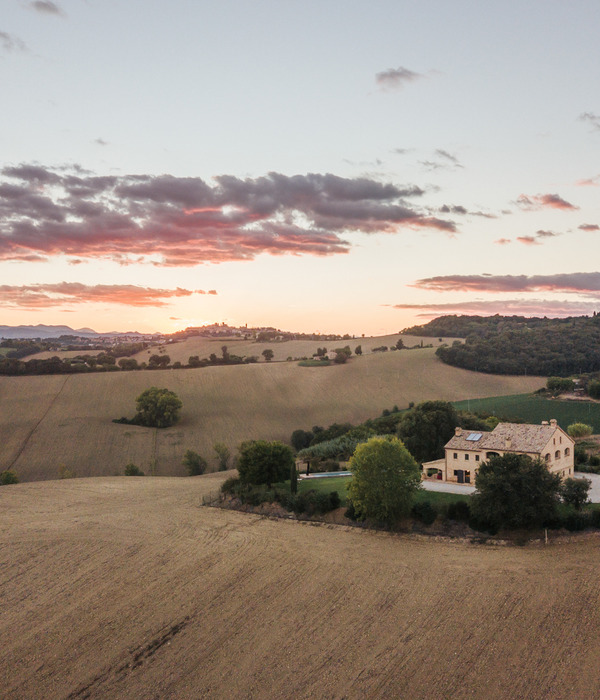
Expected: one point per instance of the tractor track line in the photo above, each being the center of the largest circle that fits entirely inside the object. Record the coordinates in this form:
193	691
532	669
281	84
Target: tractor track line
37	425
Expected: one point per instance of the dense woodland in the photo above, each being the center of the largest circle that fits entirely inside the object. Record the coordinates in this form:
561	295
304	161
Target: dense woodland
519	345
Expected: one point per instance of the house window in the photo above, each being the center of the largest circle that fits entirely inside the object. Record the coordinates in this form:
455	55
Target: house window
567	451
455	456
547	457
466	457
557	454
554	441
456	472
477	458
560	440
467	477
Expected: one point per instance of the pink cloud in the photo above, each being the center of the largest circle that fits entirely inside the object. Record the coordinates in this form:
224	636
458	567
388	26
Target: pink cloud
552	201
528	240
170	221
533	307
503	241
587	283
589	227
51	295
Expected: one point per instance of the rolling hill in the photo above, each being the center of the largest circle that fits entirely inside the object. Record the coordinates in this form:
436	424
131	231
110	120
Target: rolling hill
50	422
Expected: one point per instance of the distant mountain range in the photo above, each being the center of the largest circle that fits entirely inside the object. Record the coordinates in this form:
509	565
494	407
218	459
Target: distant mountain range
43	331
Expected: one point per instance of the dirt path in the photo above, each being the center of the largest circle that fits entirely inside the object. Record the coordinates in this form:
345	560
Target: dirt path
128	588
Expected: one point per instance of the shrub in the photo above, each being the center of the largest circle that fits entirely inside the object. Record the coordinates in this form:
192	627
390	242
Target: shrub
132	470
194	463
424	512
8	477
65	472
459	511
334	500
230	485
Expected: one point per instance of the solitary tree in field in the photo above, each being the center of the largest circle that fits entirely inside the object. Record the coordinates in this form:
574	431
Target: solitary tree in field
157	408
514	491
263	462
385	478
268	354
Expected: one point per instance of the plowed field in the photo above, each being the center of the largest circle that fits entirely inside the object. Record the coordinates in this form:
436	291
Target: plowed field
128	588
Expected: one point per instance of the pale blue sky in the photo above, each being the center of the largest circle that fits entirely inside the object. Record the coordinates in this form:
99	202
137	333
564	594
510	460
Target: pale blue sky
485	102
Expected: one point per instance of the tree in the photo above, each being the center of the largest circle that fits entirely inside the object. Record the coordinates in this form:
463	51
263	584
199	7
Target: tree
575	492
268	354
399	344
385	477
223	455
157	408
263	462
301	439
194	463
426	428
358	350
158	361
558	385
594	389
514	491
579	430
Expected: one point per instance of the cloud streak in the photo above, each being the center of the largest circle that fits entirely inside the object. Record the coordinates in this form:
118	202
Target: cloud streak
43	296
185	221
507	307
587	283
549	201
396	78
10	42
46	7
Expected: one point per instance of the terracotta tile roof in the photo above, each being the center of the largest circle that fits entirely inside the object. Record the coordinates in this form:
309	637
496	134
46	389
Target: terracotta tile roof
511	437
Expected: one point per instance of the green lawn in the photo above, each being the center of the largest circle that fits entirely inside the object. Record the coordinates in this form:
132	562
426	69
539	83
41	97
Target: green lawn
535	409
340	484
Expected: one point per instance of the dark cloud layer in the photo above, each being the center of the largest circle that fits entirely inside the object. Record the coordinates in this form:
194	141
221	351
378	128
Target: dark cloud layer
167	220
587	283
591	118
39	296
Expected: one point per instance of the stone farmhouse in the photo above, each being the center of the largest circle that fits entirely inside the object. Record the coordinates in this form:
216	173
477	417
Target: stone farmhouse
467	449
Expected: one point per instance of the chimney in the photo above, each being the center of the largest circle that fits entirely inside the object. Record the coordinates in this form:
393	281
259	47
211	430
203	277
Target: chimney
508	443
458	431
544	422
553	422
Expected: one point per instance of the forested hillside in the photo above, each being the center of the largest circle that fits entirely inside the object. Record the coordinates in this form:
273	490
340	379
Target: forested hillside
518	345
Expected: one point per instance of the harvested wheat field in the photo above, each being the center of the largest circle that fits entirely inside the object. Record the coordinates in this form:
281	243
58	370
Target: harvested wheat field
51	422
129	588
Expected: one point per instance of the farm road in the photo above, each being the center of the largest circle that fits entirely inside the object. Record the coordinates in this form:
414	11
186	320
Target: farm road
128	588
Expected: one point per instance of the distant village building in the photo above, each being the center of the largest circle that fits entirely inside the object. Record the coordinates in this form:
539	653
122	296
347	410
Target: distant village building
467	449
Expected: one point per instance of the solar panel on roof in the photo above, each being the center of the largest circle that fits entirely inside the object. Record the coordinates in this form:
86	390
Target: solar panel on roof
474	437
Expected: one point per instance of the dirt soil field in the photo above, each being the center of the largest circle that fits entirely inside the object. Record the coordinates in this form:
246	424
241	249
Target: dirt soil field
129	588
48	422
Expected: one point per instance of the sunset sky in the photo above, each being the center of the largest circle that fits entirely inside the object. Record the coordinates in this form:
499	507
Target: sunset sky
323	165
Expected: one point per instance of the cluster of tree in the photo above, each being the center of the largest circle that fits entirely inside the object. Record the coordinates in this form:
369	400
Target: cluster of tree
196	465
518	345
156	408
424	429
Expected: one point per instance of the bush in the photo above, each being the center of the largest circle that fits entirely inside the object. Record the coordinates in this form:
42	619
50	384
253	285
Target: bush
350	512
424	512
194	463
132	470
8	477
459	511
230	485
575	492
263	462
579	430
